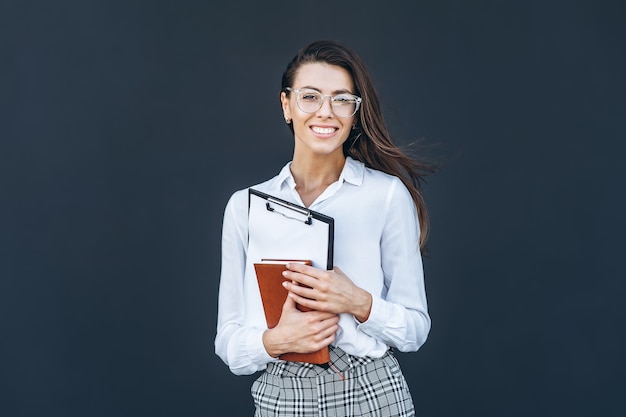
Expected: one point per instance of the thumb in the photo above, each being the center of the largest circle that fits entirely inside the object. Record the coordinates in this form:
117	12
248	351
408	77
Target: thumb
289	304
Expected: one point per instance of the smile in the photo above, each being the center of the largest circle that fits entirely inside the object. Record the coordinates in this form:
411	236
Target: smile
323	130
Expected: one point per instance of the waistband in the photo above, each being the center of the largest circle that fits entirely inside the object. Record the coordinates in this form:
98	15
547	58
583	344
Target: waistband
340	362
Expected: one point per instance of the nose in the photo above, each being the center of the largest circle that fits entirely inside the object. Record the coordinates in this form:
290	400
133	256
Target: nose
326	109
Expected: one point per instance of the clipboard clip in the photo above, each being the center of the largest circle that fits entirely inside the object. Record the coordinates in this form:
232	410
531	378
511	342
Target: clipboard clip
303	212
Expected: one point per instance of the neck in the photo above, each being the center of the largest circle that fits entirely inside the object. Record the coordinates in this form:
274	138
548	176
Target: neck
313	175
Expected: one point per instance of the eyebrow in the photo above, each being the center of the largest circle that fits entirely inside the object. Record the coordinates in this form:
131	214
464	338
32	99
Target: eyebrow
308	87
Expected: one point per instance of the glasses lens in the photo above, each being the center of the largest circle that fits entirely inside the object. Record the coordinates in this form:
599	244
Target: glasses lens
309	101
344	105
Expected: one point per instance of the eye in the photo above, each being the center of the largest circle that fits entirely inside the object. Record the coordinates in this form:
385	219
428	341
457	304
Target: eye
344	99
309	96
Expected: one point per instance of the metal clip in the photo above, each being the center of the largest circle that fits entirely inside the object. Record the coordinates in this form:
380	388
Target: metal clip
303	212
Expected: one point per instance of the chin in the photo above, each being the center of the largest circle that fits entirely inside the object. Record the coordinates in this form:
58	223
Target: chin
328	149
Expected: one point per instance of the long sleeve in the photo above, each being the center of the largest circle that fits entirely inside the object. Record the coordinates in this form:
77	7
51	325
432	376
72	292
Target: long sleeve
239	345
399	315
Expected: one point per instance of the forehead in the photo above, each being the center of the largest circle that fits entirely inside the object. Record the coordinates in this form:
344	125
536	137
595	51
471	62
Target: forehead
324	77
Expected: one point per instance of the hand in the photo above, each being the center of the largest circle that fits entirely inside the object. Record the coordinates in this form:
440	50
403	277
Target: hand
332	291
300	332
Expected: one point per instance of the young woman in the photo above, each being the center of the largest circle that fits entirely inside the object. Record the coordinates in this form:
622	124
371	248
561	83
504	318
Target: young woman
346	166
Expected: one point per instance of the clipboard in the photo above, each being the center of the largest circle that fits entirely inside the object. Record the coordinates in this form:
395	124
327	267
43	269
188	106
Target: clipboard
279	229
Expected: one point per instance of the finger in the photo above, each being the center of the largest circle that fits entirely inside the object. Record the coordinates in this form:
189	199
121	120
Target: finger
302	279
329	331
308	303
289	304
323	316
300	289
305	269
298	267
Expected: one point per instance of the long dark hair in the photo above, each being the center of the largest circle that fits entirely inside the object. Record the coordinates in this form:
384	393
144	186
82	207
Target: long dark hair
370	141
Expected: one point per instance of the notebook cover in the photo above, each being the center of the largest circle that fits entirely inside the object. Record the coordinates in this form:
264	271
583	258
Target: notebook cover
273	296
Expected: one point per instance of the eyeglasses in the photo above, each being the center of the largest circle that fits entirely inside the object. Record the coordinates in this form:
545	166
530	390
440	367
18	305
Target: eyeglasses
310	101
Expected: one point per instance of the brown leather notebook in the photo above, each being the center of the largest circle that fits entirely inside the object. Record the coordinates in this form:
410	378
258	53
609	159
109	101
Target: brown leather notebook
269	274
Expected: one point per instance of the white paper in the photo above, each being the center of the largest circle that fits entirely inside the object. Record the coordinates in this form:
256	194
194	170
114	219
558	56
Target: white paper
284	234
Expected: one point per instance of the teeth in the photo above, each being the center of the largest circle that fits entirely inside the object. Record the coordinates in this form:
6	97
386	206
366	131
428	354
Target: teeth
323	130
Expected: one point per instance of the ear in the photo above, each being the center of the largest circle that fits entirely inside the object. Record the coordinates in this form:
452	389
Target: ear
284	101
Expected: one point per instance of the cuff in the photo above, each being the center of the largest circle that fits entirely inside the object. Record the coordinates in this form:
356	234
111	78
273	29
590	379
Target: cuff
376	320
255	348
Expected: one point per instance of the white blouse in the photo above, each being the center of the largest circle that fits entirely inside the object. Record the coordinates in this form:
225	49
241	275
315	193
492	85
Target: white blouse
376	244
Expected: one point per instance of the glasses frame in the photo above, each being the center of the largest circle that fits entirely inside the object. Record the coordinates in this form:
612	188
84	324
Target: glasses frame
332	98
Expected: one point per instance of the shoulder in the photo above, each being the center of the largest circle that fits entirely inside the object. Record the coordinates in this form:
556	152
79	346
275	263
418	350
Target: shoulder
373	178
388	191
375	175
359	174
239	200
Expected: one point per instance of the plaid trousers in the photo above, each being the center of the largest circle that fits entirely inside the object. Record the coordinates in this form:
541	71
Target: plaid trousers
372	387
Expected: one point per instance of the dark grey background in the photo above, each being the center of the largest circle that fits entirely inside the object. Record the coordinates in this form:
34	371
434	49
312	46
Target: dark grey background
126	125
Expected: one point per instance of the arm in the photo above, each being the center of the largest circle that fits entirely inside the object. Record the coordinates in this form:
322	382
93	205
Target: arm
400	316
238	345
247	348
397	314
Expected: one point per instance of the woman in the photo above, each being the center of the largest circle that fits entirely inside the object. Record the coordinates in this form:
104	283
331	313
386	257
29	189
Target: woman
346	166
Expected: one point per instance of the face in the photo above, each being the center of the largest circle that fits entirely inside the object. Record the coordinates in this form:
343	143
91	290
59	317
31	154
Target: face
321	132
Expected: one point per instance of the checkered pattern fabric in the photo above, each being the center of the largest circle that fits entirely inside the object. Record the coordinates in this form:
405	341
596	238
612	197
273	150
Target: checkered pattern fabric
372	387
